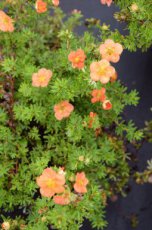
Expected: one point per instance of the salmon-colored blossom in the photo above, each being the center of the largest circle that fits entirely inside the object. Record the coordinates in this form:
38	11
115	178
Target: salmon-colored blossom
41	6
92	116
77	58
63	199
56	2
6	23
41	78
107	105
101	71
111	51
50	182
98	95
81	183
63	110
108	2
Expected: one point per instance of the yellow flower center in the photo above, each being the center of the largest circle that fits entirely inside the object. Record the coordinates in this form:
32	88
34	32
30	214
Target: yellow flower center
98	94
62	108
6	21
110	51
80	182
77	59
42	79
101	70
51	183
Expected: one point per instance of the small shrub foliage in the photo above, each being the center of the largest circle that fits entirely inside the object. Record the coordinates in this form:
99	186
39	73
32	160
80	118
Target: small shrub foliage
62	135
138	17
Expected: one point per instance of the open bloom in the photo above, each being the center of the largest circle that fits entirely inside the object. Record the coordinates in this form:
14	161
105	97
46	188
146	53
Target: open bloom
98	95
62	199
108	2
41	78
63	110
6	23
50	182
107	105
101	71
81	183
111	51
41	6
92	116
55	2
77	58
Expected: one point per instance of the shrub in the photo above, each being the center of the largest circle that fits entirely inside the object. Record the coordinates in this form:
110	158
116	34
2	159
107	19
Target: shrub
63	137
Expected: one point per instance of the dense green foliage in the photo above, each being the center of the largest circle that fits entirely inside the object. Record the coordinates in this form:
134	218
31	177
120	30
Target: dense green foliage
31	139
138	18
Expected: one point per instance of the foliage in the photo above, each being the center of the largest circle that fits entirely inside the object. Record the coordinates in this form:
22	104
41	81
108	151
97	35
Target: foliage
32	139
138	16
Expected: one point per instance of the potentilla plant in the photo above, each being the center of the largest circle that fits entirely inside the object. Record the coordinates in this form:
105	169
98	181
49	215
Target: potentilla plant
62	134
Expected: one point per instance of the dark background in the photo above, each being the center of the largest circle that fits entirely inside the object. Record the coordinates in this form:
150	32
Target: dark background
134	70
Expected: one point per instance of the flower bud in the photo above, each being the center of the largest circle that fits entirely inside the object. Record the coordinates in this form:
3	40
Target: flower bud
81	158
72	178
43	219
134	7
5	225
104	27
87	161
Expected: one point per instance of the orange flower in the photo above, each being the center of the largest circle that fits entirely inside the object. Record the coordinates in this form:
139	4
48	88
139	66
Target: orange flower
77	58
92	116
63	199
111	51
114	77
50	182
107	105
81	183
63	110
101	71
41	78
108	2
55	2
41	6
98	95
6	23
